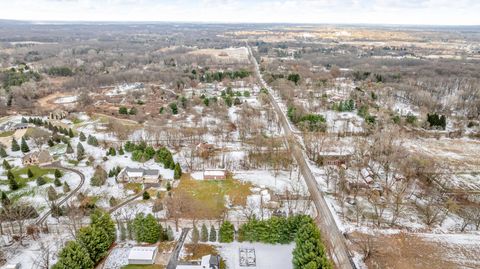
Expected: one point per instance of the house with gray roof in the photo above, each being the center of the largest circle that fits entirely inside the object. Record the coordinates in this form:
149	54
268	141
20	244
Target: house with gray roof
139	175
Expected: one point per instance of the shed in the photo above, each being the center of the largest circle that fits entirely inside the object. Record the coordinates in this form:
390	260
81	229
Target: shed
142	255
214	174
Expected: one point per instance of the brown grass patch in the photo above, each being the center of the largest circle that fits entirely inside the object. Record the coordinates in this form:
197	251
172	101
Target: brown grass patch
195	252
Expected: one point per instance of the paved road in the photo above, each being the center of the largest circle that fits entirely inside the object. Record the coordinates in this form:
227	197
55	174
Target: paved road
172	263
325	221
42	219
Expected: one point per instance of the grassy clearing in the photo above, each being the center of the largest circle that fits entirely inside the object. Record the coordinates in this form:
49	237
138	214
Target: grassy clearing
7	133
195	252
135	187
22	180
210	194
36	132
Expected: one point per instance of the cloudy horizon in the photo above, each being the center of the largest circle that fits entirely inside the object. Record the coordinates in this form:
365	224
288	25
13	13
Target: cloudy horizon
406	12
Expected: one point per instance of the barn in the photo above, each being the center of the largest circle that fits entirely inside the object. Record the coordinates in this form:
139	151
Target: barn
142	255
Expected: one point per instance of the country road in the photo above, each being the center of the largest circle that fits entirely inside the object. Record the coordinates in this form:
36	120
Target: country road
325	221
42	219
124	203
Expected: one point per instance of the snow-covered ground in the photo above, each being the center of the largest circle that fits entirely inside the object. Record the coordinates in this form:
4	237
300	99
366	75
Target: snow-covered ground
267	256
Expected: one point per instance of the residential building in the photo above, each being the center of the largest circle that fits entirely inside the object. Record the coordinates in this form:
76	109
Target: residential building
139	175
41	157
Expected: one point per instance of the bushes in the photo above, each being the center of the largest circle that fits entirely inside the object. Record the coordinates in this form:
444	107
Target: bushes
73	255
60	71
436	121
308	122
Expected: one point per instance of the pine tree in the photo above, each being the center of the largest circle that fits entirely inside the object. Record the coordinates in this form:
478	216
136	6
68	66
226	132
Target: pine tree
146	195
52	194
146	228
57	173
95	240
123	232
309	251
104	221
66	187
204	233
4	199
177	171
57	182
213	234
226	232
73	255
15	146
120	151
3	153
169	236
40	181
82	137
195	235
12	183
80	151
50	143
69	148
70	132
29	173
92	141
6	165
24	147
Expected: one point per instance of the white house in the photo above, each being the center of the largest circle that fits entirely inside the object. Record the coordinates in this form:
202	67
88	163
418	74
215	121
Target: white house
139	175
142	255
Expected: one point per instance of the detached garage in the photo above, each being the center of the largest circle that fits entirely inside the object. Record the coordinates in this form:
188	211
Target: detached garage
142	255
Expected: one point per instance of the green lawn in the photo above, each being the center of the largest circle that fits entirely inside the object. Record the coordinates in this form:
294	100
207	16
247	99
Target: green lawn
8	133
37	172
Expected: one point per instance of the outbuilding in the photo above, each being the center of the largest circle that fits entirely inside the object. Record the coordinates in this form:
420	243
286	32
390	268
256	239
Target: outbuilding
142	255
214	174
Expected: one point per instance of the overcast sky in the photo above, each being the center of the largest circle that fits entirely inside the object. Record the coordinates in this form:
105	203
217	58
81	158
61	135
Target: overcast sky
440	12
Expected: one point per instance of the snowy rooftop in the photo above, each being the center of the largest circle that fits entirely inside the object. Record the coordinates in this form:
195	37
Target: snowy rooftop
142	253
214	172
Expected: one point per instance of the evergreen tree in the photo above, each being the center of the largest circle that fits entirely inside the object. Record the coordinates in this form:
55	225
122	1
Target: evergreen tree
15	146
57	173
226	232
29	173
195	235
92	141
3	153
169	236
146	195
70	132
24	147
66	187
52	194
146	228
57	182
95	240
74	256
69	148
82	137
5	201
6	165
41	181
103	220
309	251
123	232
80	151
120	151
12	183
204	233
213	234
50	143
177	173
